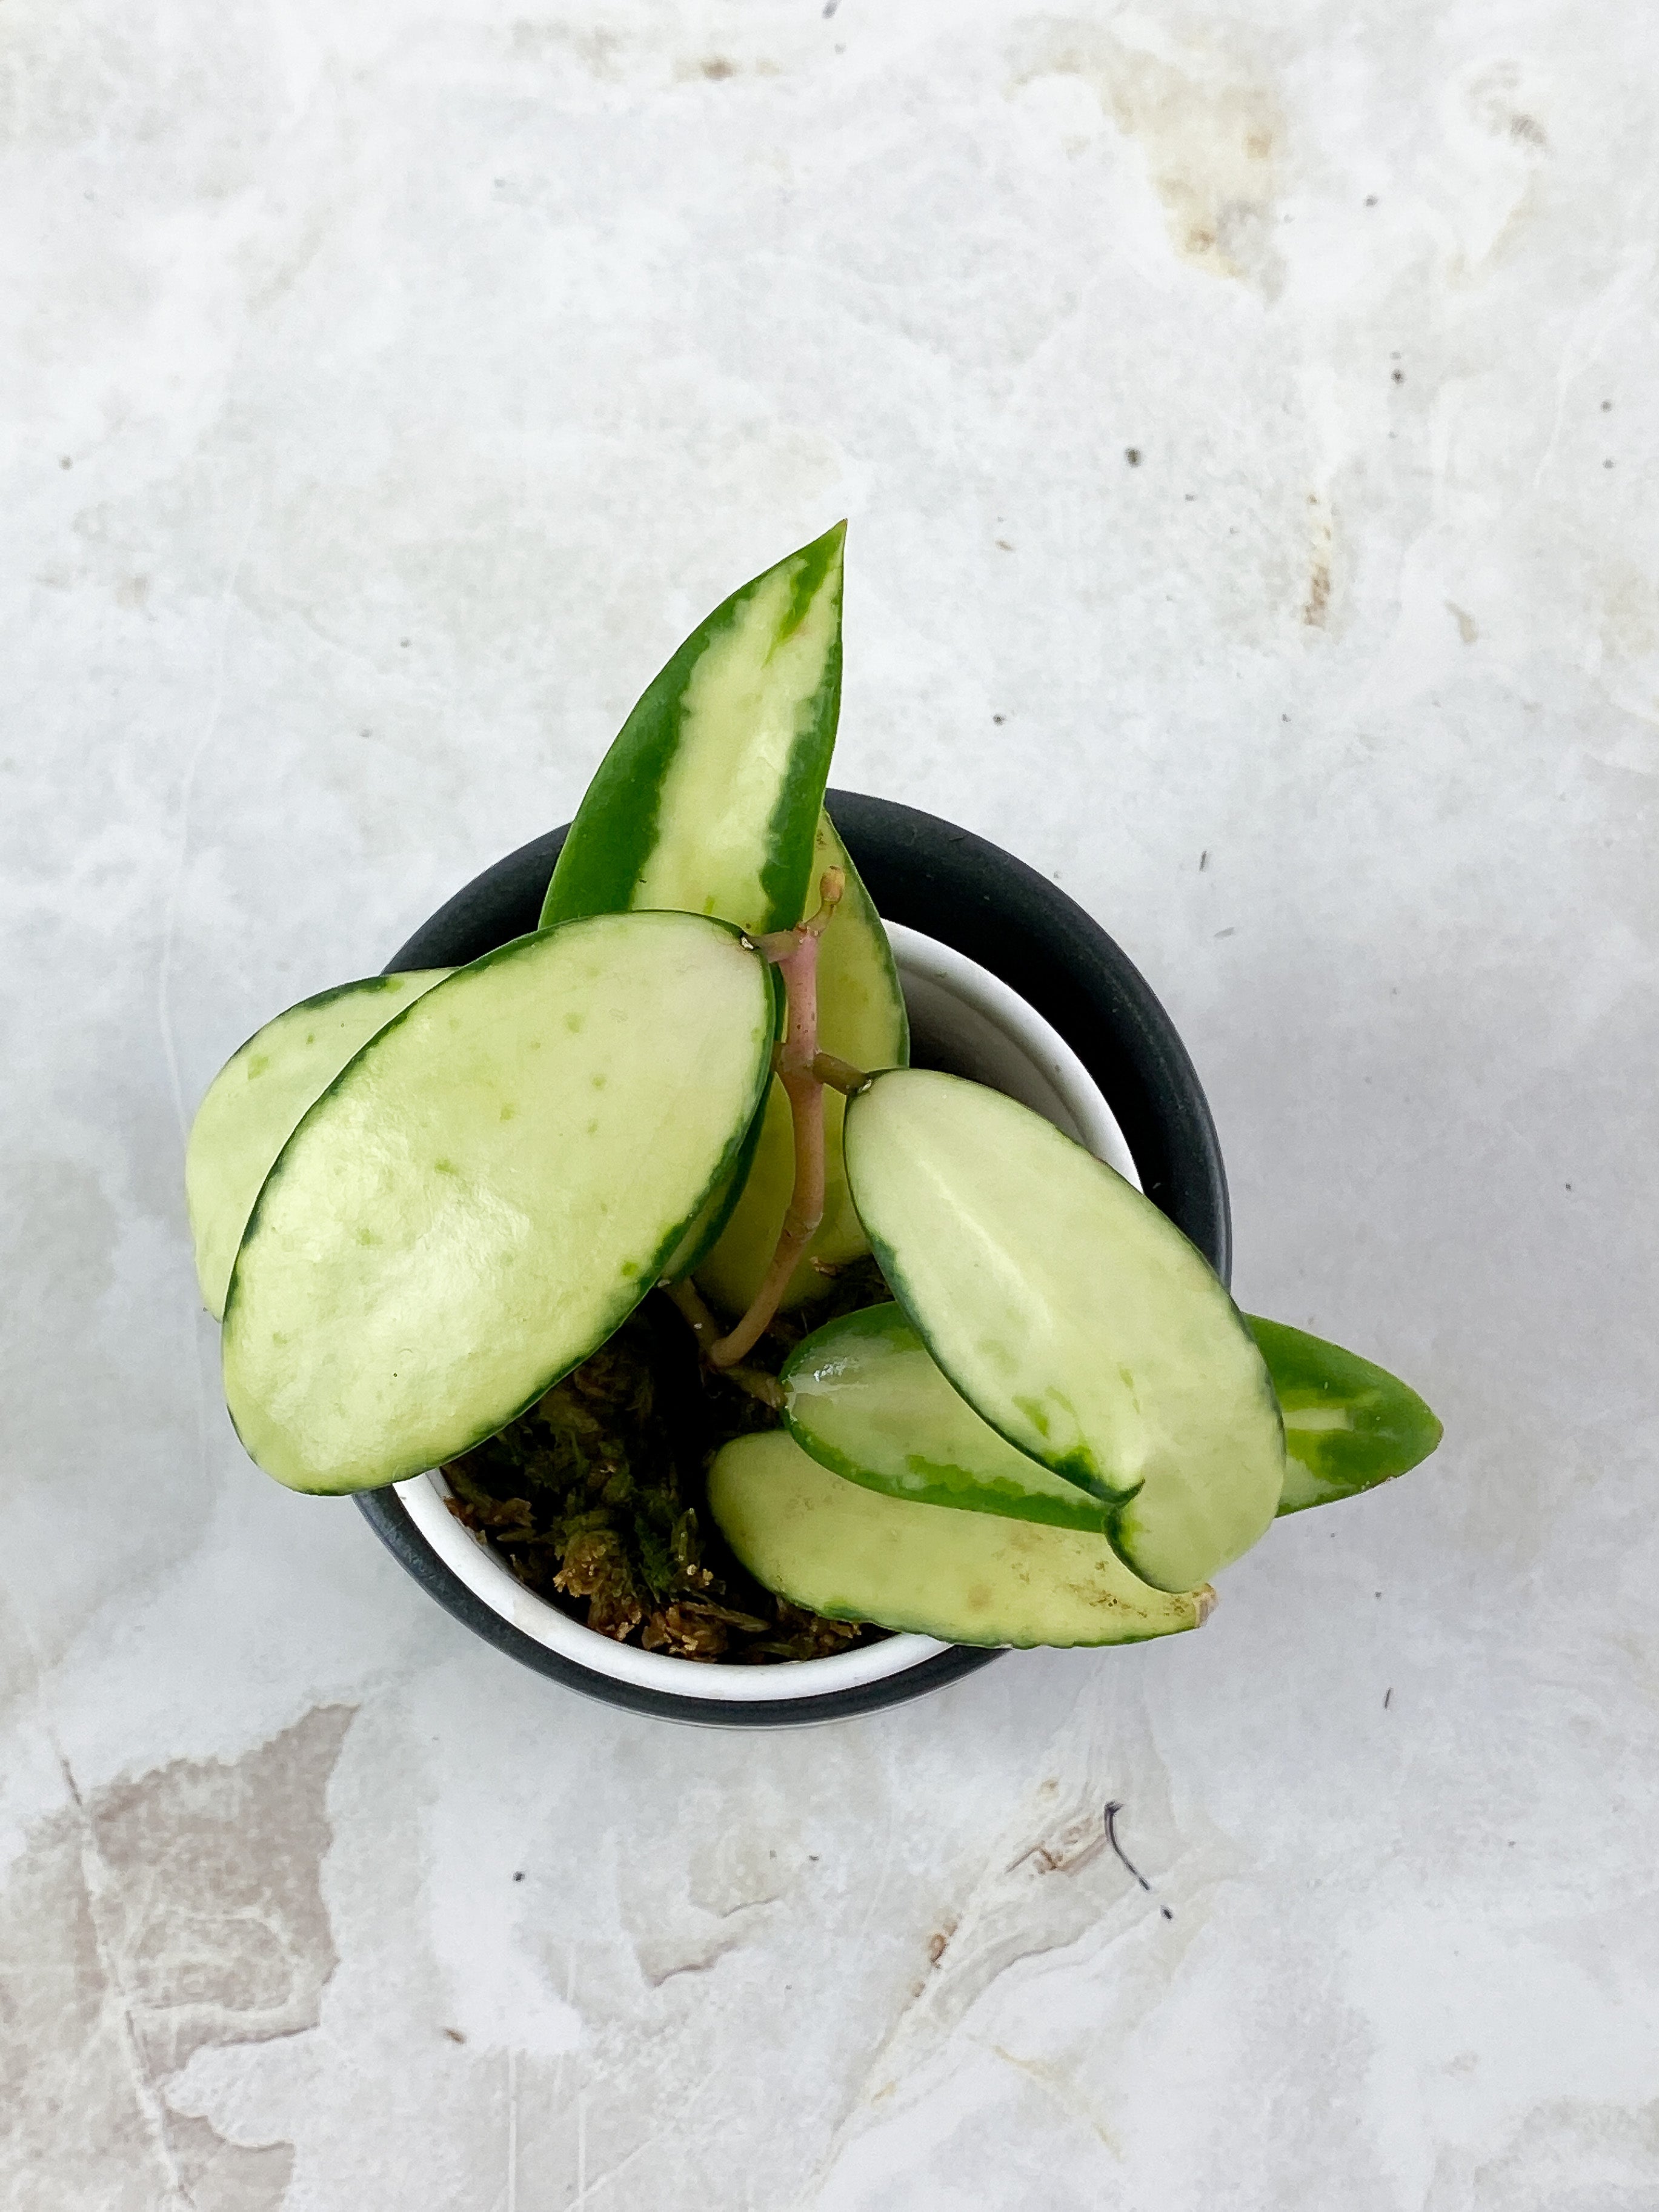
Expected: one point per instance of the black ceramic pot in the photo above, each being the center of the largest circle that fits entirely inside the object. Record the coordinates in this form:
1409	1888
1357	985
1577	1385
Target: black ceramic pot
976	898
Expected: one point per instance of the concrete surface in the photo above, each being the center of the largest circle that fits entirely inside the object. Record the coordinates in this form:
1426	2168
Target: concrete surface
1244	414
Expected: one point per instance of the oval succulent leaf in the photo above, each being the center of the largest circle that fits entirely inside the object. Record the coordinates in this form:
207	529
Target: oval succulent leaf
255	1102
861	1019
964	1578
1348	1424
487	1192
708	800
1073	1316
716	1210
865	1396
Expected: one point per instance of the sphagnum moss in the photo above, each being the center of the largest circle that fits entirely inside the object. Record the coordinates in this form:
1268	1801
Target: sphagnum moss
595	1500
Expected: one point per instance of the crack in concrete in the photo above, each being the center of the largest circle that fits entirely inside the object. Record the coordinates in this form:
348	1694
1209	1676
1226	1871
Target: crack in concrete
147	1920
95	1878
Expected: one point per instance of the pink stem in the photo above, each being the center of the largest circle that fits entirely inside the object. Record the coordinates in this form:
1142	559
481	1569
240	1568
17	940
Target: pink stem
705	1329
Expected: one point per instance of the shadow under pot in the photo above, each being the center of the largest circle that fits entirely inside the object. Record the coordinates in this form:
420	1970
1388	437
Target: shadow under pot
1007	981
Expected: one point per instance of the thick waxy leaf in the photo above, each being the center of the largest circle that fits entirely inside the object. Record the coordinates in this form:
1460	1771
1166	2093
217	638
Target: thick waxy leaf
255	1102
965	1577
716	1209
861	1019
1073	1316
487	1191
1348	1424
708	800
867	1398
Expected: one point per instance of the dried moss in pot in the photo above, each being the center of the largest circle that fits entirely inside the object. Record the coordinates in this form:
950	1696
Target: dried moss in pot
596	1499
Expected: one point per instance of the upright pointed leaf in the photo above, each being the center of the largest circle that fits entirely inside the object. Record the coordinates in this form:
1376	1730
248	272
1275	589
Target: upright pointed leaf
708	800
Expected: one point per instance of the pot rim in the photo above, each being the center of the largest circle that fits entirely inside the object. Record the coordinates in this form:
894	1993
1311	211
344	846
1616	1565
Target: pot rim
1017	927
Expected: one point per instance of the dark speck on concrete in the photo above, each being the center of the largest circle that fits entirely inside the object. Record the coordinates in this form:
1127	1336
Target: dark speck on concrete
999	717
1399	375
1132	454
518	1877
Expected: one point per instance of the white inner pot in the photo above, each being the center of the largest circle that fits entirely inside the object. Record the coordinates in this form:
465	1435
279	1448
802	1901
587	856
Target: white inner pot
962	1018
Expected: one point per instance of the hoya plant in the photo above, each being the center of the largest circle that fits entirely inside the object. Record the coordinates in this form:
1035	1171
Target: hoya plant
420	1201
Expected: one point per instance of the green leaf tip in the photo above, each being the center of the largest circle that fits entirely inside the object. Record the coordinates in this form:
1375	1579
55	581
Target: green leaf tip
1349	1425
708	800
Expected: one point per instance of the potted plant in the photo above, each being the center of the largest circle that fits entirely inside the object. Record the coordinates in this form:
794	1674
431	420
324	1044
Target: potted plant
755	1358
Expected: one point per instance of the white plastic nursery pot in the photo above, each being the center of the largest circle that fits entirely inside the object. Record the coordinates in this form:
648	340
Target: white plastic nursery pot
1006	980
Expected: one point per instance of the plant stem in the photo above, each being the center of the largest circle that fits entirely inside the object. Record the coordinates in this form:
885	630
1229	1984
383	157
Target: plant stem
796	952
706	1329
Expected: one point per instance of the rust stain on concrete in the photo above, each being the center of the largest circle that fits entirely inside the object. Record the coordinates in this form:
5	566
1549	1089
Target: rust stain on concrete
1209	129
1316	601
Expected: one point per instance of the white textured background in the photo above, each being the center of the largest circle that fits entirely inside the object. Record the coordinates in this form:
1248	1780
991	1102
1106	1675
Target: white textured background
387	387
